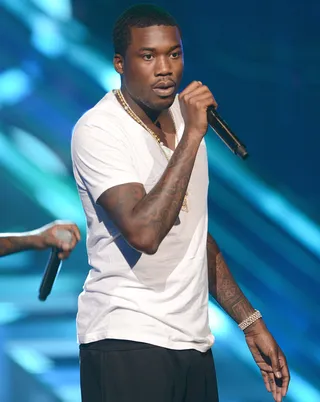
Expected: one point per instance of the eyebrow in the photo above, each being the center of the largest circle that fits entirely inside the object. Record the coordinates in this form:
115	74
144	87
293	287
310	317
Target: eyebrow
152	49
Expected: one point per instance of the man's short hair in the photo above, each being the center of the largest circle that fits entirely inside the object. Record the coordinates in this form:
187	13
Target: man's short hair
140	16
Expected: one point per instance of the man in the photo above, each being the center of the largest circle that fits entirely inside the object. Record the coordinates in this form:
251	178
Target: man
140	164
40	239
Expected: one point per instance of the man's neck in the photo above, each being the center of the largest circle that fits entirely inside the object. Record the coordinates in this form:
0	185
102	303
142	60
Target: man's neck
147	115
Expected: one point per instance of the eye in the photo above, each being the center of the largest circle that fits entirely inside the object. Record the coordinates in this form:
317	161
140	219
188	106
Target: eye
175	55
147	57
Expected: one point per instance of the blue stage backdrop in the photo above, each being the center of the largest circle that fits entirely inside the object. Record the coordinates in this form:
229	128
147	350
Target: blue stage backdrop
262	62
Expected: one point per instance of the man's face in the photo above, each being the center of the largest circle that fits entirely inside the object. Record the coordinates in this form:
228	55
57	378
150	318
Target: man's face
153	66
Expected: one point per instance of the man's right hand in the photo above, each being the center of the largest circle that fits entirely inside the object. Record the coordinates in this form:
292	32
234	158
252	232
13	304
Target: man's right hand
45	237
194	102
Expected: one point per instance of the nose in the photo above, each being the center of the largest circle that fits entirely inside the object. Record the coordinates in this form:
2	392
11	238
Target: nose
163	66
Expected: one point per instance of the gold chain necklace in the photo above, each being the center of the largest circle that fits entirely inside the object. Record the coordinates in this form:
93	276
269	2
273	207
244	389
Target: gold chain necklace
136	118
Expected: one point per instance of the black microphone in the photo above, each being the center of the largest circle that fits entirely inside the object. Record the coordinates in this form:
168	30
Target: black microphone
53	265
224	132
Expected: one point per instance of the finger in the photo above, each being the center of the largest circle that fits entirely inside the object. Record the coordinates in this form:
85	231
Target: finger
76	237
63	255
265	378
71	228
272	384
205	100
274	357
193	98
278	390
53	241
66	246
191	87
77	232
201	90
74	230
285	379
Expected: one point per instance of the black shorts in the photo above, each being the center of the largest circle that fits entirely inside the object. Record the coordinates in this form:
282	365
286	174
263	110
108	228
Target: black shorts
126	371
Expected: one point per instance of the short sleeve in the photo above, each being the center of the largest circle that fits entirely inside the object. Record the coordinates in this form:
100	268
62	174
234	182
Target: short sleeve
101	158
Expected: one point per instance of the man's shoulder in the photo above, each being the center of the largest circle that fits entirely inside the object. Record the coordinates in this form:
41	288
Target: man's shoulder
100	126
105	112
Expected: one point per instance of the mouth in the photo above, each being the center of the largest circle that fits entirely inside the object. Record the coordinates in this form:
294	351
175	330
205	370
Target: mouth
164	89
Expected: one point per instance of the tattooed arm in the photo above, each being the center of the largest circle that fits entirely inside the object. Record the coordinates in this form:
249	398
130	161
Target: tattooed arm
13	243
40	239
145	219
223	287
264	349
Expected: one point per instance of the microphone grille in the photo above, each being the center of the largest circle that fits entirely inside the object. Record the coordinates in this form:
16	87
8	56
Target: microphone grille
64	235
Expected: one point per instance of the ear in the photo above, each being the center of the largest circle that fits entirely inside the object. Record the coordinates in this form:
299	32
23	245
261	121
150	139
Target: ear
118	63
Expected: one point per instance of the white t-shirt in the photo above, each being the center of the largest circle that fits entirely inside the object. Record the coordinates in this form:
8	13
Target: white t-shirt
161	299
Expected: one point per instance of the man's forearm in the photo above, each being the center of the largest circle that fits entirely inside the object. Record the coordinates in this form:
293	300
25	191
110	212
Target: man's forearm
223	287
155	214
13	243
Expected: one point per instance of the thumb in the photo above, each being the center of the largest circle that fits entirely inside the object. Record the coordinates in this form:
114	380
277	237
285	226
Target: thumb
274	357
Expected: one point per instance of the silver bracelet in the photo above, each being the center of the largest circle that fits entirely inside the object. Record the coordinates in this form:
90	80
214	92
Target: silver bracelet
250	320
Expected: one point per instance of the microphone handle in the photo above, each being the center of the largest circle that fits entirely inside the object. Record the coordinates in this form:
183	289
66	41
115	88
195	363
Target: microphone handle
224	132
51	271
